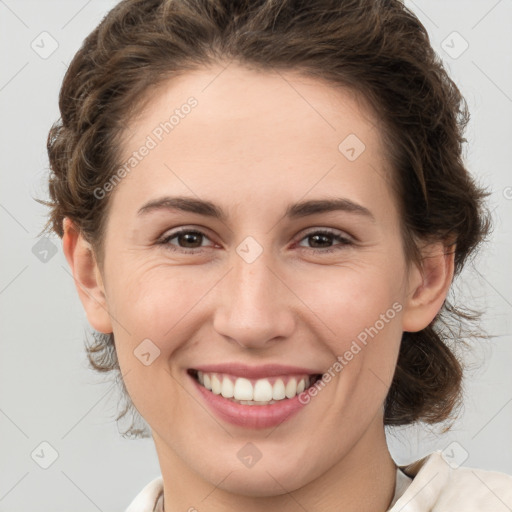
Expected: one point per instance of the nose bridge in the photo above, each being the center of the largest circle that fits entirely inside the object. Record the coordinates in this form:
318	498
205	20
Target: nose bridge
255	307
252	283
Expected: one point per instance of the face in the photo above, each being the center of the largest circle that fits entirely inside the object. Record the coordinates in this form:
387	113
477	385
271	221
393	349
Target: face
281	260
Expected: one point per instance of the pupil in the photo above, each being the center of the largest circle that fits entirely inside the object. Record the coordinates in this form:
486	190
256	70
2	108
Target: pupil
316	238
188	238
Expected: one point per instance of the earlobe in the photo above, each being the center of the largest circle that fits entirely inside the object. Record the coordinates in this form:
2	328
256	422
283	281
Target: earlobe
87	276
428	286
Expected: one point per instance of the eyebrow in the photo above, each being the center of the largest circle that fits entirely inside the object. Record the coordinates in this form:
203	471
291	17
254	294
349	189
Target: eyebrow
293	211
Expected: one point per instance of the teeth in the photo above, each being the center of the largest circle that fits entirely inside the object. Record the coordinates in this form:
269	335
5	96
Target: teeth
291	388
243	389
227	388
252	402
261	393
216	385
278	392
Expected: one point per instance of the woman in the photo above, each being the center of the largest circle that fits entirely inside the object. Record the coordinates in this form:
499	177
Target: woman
264	205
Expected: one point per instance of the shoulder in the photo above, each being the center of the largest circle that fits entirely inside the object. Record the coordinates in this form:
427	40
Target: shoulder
439	487
146	500
436	487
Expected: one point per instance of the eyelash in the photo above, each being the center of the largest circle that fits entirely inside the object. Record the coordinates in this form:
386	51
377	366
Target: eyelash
344	241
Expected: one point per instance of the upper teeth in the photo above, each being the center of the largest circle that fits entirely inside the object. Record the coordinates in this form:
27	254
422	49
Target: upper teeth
260	390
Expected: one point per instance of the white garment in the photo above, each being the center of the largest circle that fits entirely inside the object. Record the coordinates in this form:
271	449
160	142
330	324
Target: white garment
428	485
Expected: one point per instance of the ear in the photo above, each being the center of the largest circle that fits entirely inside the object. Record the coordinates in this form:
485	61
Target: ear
86	274
428	286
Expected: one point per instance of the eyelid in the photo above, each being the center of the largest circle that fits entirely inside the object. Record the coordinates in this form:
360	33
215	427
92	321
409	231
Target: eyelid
343	238
170	234
328	231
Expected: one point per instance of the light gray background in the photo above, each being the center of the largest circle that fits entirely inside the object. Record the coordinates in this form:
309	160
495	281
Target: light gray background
47	393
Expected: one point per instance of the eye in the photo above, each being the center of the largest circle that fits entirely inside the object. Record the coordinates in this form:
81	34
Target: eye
322	241
188	240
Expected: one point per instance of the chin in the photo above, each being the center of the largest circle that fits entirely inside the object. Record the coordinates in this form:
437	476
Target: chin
258	484
264	479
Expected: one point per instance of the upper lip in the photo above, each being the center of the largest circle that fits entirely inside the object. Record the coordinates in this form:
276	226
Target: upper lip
255	372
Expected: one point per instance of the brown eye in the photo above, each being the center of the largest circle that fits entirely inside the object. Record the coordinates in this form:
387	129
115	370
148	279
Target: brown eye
189	239
322	241
184	239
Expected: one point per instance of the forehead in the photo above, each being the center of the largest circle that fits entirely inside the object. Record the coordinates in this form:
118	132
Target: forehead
217	128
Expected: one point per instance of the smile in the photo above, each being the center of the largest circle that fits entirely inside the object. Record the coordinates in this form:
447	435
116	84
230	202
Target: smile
263	391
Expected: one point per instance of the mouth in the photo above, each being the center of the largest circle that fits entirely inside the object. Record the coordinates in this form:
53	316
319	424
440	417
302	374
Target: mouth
258	392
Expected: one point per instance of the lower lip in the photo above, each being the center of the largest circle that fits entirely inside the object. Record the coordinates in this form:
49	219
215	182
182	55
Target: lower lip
250	416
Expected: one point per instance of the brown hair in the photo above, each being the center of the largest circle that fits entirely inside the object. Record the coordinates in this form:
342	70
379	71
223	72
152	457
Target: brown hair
375	47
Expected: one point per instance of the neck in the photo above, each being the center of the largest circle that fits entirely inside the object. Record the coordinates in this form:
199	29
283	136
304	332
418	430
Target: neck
362	481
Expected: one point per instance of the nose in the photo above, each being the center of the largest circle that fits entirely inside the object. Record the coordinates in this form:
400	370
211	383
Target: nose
255	307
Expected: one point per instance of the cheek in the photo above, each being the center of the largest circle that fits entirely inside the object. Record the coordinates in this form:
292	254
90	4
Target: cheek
150	303
350	300
152	308
160	310
358	314
146	309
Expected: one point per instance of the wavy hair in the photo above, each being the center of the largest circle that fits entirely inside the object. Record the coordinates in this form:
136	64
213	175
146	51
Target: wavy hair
377	48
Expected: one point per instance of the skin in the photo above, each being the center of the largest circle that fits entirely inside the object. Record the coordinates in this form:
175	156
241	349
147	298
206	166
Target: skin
256	143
